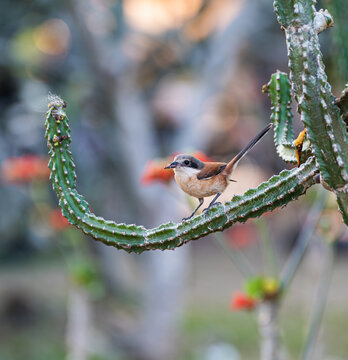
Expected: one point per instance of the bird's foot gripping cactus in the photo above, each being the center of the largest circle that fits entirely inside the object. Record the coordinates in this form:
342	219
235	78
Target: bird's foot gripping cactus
326	131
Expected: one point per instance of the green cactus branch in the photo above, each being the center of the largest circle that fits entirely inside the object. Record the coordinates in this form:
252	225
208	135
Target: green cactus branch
274	193
325	128
279	91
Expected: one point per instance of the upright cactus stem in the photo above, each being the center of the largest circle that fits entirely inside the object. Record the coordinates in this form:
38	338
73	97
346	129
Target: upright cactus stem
274	193
279	91
326	130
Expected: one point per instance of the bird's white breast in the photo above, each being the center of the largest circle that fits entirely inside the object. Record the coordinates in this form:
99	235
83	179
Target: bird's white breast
187	180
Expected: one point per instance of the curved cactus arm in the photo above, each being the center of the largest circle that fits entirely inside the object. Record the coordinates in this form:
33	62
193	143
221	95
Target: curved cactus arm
279	91
325	128
275	192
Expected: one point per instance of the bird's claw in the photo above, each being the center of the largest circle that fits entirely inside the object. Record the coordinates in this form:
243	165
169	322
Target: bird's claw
211	206
203	211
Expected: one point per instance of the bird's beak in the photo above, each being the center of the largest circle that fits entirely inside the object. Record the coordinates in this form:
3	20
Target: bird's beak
173	165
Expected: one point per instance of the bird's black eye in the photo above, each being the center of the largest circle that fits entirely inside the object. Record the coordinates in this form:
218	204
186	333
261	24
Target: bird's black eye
186	162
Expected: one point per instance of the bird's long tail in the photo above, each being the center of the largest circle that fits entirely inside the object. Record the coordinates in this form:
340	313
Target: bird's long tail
234	162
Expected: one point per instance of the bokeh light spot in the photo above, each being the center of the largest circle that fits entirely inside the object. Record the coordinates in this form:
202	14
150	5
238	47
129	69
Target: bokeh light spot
156	16
52	37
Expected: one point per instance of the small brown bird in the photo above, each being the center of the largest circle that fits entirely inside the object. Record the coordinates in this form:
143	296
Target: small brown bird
201	179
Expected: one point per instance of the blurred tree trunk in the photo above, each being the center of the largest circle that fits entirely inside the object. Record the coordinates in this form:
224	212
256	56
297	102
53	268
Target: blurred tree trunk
79	323
130	144
218	70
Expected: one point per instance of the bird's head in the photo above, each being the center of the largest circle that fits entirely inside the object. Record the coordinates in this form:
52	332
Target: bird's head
186	163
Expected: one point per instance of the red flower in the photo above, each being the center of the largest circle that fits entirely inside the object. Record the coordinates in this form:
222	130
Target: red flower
154	169
201	156
241	301
24	169
57	220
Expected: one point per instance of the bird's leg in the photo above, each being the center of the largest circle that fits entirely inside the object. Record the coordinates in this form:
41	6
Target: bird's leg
195	210
213	202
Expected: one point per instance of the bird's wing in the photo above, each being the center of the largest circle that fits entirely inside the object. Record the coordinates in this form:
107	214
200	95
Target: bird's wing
210	170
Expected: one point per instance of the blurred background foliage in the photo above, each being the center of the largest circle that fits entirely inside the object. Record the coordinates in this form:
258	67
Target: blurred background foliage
144	79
